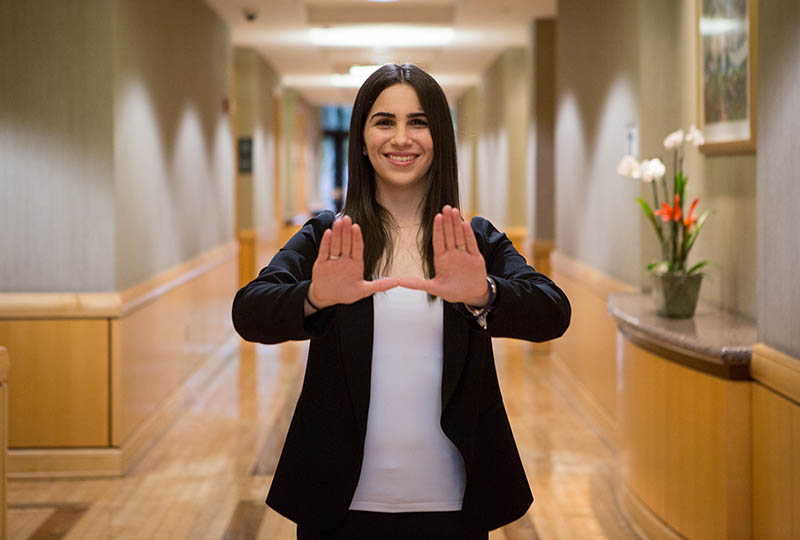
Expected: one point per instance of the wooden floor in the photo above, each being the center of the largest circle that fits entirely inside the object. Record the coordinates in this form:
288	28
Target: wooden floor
207	477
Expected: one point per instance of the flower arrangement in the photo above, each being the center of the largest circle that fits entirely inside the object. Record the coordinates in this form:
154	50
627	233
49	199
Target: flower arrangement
678	226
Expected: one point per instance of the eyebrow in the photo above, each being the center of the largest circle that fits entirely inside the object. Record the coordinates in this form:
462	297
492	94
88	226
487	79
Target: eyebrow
392	115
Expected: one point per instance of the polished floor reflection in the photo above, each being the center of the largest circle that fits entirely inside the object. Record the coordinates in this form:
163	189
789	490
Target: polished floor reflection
208	475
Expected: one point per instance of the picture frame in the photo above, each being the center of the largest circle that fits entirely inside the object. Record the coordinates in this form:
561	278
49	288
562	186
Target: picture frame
727	39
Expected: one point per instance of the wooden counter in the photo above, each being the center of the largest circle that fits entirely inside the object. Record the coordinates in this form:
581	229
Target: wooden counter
685	420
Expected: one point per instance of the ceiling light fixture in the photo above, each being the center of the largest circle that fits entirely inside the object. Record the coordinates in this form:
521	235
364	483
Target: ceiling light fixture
391	35
362	72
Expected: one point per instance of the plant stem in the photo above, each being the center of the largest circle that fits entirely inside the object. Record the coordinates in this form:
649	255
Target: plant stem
660	233
674	238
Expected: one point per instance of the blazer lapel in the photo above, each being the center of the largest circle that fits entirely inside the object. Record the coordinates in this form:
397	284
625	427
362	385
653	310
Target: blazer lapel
355	342
456	338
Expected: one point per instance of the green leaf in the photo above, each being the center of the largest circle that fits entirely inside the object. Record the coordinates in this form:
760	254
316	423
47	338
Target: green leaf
697	226
658	267
651	216
680	185
696	267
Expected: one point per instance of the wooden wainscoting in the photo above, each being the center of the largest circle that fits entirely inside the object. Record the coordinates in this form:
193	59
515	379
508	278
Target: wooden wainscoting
100	376
776	444
161	342
59	386
585	358
685	448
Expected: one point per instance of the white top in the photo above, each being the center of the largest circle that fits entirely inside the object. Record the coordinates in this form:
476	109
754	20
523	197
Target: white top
409	464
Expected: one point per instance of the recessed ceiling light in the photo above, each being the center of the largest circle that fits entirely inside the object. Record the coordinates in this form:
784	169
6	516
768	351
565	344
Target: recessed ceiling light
362	72
381	35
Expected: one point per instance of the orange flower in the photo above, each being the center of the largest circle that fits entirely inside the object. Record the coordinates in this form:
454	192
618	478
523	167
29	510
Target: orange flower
669	213
690	218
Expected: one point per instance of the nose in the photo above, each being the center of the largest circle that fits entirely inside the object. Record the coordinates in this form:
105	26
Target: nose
401	137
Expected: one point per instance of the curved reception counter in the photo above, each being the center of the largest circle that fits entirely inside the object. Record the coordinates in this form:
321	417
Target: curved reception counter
685	420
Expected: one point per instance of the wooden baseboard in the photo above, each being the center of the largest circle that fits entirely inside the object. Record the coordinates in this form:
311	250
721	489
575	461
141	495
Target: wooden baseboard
105	462
644	522
64	463
574	391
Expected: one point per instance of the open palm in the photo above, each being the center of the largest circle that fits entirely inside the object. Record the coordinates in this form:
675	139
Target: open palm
338	273
460	268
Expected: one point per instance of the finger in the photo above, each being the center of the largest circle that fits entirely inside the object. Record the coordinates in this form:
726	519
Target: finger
449	234
458	230
347	235
379	285
438	234
336	239
357	251
418	284
325	246
469	235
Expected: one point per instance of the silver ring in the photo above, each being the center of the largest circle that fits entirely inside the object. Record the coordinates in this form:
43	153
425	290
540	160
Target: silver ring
333	257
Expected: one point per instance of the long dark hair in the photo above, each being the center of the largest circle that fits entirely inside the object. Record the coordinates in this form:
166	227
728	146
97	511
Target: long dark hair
362	204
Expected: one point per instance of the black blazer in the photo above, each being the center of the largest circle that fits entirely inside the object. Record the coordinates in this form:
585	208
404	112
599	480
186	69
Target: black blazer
320	464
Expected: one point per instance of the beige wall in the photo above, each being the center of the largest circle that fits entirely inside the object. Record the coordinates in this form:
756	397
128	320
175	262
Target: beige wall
635	63
173	149
726	184
300	139
468	125
257	83
492	136
778	188
541	128
597	78
116	155
56	147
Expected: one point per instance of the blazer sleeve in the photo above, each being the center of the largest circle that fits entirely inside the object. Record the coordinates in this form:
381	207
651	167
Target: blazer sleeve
528	305
270	308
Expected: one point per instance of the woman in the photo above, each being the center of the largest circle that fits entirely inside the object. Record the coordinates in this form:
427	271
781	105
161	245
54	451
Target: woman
400	429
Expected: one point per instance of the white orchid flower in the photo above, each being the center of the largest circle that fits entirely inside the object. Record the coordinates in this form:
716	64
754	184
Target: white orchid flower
629	167
674	140
652	169
695	136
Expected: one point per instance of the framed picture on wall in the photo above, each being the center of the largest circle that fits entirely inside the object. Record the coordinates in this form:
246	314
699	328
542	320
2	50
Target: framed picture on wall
727	39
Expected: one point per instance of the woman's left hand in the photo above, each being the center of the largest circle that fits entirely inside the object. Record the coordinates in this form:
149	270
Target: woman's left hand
460	268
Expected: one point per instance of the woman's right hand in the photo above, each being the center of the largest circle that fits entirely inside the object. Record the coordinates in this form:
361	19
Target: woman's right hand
338	273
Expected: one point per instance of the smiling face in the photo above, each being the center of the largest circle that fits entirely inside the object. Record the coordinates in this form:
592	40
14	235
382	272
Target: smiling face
398	139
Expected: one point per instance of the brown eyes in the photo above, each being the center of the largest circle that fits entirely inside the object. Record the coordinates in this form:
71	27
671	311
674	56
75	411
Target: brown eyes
416	122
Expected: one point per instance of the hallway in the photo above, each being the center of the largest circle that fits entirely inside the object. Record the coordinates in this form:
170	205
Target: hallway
155	155
207	477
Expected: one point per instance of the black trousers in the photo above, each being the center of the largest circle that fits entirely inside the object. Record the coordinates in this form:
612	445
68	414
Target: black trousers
359	525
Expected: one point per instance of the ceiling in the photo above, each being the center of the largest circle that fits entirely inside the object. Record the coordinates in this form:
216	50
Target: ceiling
313	43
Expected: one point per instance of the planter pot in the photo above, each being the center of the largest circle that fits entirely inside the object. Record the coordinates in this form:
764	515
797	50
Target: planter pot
675	295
